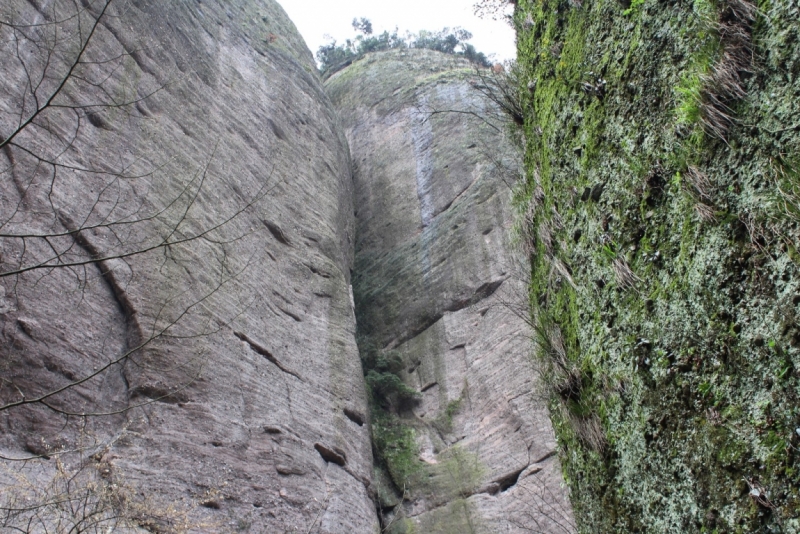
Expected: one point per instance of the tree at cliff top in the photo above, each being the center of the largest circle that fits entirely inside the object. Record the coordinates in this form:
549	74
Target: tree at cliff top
333	57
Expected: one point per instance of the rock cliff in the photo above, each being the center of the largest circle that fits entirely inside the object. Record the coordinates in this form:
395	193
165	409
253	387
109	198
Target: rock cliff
435	287
180	219
195	197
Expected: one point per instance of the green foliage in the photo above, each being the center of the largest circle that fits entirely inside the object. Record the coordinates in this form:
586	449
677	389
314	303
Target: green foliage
382	372
635	5
390	391
394	444
362	25
691	378
334	57
444	422
395	448
690	94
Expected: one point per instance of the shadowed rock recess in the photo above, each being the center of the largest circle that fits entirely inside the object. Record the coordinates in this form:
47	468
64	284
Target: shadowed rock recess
177	329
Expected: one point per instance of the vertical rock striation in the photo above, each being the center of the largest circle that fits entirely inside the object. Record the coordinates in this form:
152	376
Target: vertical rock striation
435	292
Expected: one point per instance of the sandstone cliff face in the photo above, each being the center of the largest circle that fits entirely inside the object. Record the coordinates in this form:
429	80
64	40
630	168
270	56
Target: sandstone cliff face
434	290
179	226
242	356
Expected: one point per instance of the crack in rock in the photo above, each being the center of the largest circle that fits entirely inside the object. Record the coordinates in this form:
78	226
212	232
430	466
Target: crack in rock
259	349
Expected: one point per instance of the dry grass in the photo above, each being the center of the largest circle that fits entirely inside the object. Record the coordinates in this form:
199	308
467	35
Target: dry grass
723	84
699	182
561	269
590	431
625	277
705	212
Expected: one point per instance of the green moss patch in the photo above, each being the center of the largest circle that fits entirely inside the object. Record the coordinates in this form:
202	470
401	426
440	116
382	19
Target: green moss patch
664	287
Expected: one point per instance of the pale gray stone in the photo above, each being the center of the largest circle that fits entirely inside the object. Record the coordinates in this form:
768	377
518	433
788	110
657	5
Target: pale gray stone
270	364
436	281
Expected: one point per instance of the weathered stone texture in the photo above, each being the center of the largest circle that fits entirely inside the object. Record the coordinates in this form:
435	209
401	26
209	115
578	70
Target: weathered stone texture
434	283
263	366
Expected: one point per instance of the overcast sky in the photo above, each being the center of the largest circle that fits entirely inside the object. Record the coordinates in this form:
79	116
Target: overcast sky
316	18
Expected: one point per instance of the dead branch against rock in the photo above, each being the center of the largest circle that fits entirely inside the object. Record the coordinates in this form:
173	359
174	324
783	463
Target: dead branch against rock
499	87
547	514
494	9
74	218
502	86
324	504
85	494
67	82
426	112
77	221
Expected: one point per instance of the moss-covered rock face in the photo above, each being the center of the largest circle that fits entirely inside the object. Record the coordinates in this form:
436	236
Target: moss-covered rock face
662	208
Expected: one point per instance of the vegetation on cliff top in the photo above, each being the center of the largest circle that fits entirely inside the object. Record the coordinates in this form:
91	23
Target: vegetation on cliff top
333	58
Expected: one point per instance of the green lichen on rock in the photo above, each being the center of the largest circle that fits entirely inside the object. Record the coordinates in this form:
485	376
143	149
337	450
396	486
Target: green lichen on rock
395	448
665	280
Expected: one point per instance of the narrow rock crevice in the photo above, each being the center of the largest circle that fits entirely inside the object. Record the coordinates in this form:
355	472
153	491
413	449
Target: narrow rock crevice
259	349
508	481
426	387
547	456
277	232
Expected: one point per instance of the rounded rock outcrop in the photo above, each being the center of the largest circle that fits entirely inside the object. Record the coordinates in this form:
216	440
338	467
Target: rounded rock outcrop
176	253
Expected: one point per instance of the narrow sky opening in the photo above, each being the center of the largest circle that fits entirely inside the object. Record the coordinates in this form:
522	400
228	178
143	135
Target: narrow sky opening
319	21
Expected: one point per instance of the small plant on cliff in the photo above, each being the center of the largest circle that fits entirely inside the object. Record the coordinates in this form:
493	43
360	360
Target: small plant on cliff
715	83
388	390
395	448
394	443
502	85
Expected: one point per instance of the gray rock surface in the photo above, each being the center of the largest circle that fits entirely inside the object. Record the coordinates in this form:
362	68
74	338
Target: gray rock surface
242	401
434	283
176	245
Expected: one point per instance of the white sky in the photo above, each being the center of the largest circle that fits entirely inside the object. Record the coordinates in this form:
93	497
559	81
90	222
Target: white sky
316	18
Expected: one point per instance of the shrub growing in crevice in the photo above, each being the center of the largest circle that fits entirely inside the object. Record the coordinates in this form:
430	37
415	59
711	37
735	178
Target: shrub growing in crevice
394	445
382	374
